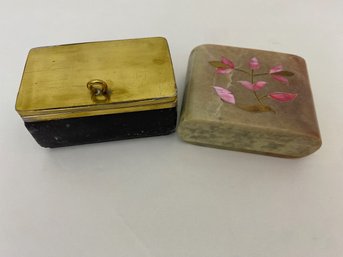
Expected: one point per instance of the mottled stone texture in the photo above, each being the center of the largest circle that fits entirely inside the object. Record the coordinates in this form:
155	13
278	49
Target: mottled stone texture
94	129
281	128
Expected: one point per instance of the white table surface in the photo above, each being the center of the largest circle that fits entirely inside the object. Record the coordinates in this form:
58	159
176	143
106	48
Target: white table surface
161	197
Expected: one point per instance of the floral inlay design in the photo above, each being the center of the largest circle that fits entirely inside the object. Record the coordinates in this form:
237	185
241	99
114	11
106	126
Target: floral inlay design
226	67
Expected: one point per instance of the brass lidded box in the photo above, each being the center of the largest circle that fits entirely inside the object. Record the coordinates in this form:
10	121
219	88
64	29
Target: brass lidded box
249	100
98	91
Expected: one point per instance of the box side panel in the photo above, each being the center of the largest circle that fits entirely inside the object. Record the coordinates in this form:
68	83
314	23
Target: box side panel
94	129
186	102
246	139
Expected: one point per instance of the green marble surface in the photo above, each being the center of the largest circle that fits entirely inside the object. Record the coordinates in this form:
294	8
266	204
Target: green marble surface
256	121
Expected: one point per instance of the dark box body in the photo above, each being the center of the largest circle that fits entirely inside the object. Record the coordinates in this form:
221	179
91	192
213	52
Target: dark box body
94	129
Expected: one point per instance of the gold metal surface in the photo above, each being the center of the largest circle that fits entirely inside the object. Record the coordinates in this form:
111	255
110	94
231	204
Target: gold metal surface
138	75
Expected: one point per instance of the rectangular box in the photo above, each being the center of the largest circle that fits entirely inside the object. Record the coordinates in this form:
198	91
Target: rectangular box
99	91
249	100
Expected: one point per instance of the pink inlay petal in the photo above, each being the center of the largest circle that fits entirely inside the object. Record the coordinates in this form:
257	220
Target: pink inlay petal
259	84
223	71
282	96
254	63
247	84
275	69
225	95
280	78
228	62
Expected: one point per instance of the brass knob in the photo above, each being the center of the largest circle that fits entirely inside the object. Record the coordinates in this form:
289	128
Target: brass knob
99	90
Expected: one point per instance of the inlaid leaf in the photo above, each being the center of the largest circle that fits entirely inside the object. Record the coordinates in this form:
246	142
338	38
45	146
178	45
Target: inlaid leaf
223	71
276	68
259	84
280	78
225	95
256	86
228	62
218	64
284	73
246	84
256	108
282	96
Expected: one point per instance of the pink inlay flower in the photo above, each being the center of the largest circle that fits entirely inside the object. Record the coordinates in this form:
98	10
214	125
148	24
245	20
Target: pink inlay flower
277	77
225	95
229	66
282	96
226	66
254	63
256	86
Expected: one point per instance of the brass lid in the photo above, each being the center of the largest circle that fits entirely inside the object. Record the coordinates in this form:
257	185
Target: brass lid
96	78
